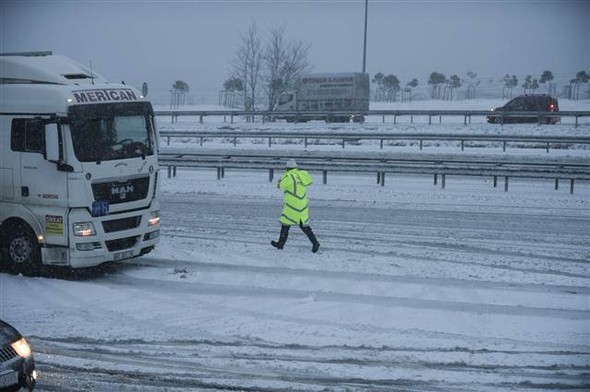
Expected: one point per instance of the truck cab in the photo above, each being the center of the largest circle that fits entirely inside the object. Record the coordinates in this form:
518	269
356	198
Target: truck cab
78	166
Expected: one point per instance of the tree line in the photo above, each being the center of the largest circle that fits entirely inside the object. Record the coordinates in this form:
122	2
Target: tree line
266	63
388	87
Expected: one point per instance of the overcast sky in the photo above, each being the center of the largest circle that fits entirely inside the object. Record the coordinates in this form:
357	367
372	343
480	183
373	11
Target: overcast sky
163	41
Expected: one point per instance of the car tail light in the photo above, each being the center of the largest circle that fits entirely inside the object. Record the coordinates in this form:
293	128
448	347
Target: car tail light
551	107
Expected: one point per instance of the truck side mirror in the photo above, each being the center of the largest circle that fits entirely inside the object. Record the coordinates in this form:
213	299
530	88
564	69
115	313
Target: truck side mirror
51	143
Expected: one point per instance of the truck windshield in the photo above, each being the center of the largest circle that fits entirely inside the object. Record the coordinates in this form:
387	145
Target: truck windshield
107	132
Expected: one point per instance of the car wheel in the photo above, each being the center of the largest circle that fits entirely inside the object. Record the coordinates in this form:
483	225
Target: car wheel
22	249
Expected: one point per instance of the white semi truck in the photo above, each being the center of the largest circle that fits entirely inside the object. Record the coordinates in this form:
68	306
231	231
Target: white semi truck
332	97
78	166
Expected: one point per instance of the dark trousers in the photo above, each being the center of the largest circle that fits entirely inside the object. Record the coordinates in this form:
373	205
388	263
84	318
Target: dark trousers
285	233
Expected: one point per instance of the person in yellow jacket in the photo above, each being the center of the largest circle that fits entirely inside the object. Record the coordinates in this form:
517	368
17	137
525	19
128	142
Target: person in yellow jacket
294	185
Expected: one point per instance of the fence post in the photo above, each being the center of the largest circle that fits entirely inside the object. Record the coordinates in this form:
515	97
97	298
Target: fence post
271	175
435	178
572	186
325	176
443	181
556	183
506	184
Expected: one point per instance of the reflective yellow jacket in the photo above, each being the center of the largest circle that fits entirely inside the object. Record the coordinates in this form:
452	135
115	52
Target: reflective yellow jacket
294	185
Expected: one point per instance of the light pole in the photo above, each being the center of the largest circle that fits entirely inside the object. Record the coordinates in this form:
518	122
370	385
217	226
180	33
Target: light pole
365	43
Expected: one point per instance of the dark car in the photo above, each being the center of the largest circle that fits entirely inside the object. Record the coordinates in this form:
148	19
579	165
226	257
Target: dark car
527	103
17	366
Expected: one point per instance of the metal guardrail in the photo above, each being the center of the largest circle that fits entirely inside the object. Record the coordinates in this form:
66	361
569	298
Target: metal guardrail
381	163
381	136
266	115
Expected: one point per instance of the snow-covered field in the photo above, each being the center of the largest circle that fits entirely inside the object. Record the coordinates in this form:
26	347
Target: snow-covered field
415	288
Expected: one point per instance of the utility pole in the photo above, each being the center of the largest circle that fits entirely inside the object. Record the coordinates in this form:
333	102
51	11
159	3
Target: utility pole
365	43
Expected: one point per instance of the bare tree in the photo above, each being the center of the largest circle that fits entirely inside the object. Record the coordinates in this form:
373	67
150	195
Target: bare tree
247	64
283	61
274	62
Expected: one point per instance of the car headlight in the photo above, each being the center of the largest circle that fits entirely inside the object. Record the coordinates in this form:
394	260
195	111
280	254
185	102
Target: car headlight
154	218
84	229
22	348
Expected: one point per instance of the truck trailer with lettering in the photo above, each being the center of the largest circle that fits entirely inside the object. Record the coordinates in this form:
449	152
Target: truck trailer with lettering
331	97
78	166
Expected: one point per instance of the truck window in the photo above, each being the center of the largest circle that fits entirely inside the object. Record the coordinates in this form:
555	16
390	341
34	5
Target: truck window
111	131
27	135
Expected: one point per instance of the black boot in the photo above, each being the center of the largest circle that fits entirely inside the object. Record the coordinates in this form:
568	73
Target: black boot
282	238
315	245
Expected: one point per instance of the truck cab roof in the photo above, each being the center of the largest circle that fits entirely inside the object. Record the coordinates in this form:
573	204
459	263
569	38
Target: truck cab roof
44	68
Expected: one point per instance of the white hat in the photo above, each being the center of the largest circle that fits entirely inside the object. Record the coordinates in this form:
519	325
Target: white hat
291	164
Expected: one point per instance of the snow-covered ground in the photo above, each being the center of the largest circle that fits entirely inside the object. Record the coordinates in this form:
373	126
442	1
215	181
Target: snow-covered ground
415	288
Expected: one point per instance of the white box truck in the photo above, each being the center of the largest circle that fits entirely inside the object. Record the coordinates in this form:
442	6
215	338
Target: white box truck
332	97
78	166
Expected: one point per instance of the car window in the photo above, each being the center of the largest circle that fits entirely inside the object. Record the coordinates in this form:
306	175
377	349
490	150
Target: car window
516	104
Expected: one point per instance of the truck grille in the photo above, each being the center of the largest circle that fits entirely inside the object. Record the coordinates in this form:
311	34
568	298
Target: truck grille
121	192
121	224
7	353
122	243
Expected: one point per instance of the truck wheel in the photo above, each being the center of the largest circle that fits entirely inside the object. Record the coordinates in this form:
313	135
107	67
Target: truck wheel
22	249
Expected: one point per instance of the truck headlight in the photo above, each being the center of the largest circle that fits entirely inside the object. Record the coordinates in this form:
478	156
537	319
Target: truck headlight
154	218
84	229
22	348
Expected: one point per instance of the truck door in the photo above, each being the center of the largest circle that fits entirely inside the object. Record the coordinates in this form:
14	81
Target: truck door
41	183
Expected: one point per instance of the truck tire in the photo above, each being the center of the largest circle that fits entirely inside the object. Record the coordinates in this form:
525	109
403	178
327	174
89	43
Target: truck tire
22	251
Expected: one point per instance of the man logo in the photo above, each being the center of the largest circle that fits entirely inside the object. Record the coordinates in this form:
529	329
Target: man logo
121	190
